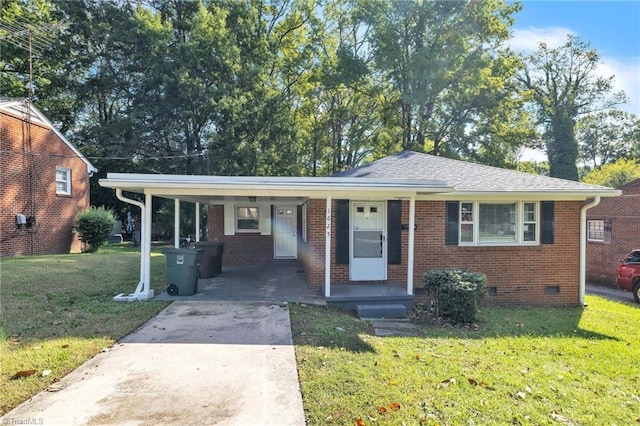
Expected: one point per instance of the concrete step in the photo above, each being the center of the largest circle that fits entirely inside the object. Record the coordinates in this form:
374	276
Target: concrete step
388	310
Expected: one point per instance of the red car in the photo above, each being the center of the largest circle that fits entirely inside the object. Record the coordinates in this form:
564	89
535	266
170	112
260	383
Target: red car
629	274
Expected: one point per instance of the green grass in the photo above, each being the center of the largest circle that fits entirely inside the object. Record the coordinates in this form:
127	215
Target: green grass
521	366
56	312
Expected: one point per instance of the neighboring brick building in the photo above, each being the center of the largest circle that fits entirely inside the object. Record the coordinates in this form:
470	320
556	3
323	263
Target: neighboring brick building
376	229
44	182
613	230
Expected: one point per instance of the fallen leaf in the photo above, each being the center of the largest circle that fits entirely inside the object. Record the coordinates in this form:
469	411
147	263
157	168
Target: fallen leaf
560	418
64	346
360	422
447	382
394	406
54	387
486	386
472	381
23	373
394	382
382	409
417	356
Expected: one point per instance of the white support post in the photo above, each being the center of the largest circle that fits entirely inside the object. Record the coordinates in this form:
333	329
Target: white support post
197	222
412	225
327	251
176	223
146	238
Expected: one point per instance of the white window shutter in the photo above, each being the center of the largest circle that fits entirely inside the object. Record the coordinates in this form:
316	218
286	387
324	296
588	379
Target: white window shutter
229	219
265	219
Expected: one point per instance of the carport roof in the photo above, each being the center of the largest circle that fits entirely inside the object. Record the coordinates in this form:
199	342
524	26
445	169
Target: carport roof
212	188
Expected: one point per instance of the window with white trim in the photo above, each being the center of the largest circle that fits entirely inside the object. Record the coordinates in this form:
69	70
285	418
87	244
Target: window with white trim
63	181
595	230
247	219
499	223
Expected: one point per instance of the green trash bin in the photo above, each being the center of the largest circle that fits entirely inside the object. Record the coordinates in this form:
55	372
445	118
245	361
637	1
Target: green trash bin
182	271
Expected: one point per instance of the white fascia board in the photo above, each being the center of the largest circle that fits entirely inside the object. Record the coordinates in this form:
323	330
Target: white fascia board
551	195
265	186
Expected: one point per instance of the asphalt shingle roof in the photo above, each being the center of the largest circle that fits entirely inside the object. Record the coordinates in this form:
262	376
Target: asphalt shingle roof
463	176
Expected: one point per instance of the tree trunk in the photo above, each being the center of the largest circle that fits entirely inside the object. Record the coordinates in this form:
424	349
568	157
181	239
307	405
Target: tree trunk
562	150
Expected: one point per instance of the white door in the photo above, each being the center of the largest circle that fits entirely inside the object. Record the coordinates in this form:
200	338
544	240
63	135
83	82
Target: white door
285	238
368	248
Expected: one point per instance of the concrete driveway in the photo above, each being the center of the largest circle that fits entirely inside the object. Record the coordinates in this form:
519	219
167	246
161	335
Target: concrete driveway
213	363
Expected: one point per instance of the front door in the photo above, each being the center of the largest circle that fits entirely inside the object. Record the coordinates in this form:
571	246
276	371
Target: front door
368	248
285	234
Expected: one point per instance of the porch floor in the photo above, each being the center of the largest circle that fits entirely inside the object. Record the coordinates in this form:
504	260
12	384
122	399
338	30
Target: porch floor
277	281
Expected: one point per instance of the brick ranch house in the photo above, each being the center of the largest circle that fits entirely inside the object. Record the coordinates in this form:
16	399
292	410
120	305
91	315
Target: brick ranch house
44	182
386	223
613	230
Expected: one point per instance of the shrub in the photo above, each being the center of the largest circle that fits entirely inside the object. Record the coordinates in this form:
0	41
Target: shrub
456	292
94	226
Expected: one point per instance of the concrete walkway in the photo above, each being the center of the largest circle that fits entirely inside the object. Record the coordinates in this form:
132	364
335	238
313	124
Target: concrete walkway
204	363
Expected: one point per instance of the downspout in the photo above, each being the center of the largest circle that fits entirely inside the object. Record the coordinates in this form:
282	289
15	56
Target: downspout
144	253
583	247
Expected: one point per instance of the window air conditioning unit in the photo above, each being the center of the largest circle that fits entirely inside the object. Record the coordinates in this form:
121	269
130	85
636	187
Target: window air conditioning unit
21	219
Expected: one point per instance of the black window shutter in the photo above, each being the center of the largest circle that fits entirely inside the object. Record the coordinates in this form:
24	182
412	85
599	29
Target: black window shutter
452	228
342	232
607	231
547	213
394	236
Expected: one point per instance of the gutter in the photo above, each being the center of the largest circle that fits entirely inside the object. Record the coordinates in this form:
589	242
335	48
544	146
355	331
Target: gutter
583	247
142	291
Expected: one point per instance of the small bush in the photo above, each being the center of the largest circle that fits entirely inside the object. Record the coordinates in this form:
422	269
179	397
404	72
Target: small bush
94	226
457	292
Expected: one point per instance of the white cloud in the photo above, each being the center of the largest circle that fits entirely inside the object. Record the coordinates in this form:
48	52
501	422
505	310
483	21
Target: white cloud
626	69
527	40
626	72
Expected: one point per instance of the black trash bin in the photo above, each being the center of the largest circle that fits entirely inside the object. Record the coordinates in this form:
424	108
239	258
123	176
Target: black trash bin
211	259
217	258
207	260
182	271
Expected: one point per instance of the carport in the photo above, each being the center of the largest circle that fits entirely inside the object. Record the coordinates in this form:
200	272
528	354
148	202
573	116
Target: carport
231	191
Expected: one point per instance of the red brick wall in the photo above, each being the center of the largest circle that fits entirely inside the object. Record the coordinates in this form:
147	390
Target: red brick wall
27	184
624	214
519	274
239	249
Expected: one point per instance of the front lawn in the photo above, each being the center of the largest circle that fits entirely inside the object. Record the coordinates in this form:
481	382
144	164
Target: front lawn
56	312
517	366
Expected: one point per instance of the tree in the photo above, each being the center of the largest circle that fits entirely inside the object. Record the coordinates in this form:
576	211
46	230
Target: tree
448	67
614	174
606	136
563	86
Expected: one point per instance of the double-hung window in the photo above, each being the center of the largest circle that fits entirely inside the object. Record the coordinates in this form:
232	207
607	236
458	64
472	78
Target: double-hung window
596	231
63	181
247	219
498	223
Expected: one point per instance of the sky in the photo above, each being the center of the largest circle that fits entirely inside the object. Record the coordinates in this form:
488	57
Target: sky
612	28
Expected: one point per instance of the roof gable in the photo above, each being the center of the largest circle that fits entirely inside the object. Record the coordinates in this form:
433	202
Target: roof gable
18	108
465	176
